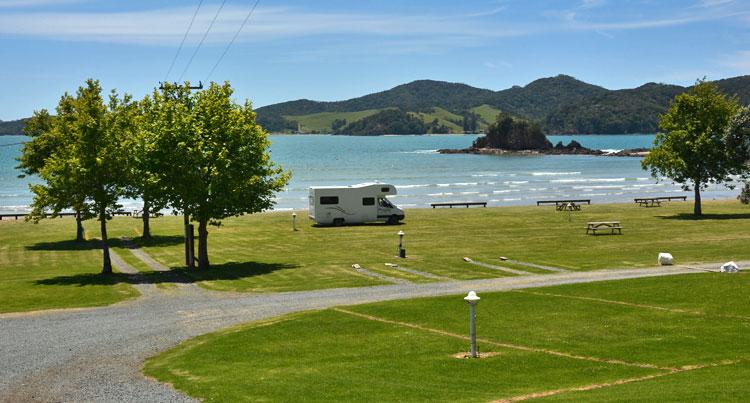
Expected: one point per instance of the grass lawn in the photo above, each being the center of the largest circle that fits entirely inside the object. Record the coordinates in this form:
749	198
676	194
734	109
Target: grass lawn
42	267
680	338
261	253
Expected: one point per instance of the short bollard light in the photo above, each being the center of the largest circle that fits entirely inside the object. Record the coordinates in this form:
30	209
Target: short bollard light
401	250
294	221
472	299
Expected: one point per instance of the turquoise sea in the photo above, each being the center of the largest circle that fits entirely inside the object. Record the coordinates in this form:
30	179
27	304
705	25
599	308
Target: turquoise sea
422	176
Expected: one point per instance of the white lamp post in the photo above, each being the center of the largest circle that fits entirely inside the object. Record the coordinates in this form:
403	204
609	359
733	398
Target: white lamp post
294	221
472	299
401	250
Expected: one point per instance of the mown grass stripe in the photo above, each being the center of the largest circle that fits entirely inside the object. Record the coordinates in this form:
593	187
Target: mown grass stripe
507	345
593	386
631	304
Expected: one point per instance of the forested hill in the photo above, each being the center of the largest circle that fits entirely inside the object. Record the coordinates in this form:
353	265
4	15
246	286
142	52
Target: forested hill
12	127
562	104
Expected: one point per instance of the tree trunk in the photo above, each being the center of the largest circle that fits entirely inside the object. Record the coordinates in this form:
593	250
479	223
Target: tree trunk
107	265
146	225
79	227
186	222
697	206
203	244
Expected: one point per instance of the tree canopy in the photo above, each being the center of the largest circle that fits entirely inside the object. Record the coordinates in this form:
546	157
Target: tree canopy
509	133
214	156
691	147
88	171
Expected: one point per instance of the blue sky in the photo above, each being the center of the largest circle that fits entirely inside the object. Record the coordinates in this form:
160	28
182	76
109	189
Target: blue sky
336	49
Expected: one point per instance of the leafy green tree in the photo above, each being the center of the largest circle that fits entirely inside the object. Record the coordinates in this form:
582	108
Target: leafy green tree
691	147
219	165
738	146
146	161
90	168
46	139
511	133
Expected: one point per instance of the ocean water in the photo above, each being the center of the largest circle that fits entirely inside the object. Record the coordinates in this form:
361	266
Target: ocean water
422	176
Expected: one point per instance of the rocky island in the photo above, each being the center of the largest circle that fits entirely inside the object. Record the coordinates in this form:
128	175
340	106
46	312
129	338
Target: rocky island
515	136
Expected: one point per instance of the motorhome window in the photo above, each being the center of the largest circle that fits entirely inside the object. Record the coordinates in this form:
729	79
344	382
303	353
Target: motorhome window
368	201
385	203
385	189
329	200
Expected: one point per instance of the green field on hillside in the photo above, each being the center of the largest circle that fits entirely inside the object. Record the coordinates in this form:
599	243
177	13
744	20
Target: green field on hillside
487	113
444	117
321	122
678	338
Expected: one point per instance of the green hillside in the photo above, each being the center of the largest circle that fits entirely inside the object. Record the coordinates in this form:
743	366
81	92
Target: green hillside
562	104
449	119
322	122
486	113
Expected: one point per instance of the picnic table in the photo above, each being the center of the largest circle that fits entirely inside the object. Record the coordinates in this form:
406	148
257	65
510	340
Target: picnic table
451	204
568	207
557	203
656	201
612	226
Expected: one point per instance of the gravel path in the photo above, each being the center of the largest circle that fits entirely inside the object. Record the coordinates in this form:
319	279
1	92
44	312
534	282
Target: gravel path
96	354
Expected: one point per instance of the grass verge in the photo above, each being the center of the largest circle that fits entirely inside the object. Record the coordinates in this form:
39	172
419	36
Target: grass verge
563	348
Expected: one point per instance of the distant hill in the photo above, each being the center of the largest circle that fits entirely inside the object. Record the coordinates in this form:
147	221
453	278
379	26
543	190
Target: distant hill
562	104
12	127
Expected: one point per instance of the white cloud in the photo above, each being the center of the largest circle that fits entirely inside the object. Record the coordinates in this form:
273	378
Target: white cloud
715	3
166	26
34	3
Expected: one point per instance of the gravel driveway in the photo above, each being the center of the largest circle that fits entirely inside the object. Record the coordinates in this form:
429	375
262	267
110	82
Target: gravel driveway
96	354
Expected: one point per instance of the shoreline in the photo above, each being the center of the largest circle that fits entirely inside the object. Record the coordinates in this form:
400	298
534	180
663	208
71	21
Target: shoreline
531	204
633	152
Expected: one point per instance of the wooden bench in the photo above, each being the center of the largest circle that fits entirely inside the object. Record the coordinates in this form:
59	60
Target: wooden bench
563	202
451	204
16	215
612	226
656	201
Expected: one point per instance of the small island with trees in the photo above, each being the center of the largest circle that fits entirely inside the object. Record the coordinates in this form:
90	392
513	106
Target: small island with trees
514	135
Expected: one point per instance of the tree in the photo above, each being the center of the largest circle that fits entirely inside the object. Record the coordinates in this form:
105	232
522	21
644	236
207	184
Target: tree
510	133
738	147
691	147
219	165
91	167
145	163
44	142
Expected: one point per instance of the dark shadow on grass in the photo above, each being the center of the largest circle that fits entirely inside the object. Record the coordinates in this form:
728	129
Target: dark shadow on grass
366	224
66	245
226	271
690	217
158	240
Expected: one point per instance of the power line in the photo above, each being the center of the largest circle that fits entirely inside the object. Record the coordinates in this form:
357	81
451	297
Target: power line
236	34
183	40
202	40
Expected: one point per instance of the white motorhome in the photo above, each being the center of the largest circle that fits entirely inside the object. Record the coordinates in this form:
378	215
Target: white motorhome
366	202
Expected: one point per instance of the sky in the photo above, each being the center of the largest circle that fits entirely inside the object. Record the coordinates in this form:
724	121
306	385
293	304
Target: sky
338	49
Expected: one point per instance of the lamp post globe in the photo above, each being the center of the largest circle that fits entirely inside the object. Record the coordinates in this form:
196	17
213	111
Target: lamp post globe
472	299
